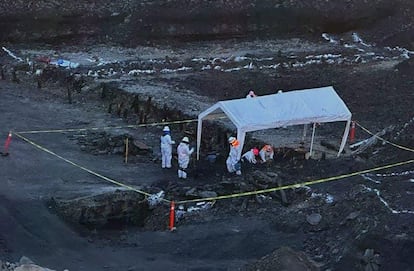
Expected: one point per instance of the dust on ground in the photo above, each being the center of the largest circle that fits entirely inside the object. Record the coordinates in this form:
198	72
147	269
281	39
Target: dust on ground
362	221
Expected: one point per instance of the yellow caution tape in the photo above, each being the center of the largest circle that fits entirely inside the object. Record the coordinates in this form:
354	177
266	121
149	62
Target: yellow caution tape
107	127
83	168
243	194
298	185
382	139
110	127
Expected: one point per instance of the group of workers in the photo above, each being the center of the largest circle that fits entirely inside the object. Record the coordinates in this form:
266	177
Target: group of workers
183	150
233	161
266	153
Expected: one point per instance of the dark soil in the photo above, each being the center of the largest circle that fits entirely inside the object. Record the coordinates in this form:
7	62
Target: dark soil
365	219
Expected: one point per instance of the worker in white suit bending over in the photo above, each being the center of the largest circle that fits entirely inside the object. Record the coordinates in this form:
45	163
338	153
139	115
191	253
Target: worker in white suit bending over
184	152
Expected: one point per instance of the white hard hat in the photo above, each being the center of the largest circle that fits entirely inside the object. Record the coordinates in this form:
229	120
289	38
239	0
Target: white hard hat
166	129
185	140
232	139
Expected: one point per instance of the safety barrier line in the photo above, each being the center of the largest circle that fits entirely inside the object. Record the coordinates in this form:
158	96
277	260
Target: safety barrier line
107	127
389	142
85	169
243	194
263	191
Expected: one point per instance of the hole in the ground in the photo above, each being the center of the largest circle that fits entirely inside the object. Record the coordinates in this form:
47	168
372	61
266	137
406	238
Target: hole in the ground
108	210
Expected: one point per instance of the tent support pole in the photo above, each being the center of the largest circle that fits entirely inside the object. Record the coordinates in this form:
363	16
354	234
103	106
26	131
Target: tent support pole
305	128
313	136
199	128
344	137
241	136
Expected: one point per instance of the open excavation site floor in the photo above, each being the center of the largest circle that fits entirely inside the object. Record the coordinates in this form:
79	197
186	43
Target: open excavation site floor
356	222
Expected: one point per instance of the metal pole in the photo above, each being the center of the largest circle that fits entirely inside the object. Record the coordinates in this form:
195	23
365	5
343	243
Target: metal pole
313	136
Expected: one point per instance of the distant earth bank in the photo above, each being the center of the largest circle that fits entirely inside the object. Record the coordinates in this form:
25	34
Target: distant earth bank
142	22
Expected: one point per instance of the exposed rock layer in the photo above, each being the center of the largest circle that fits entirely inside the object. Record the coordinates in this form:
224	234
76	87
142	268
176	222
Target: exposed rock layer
131	22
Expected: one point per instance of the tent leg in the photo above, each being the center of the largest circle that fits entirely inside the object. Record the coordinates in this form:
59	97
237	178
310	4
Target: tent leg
344	137
313	137
199	128
305	128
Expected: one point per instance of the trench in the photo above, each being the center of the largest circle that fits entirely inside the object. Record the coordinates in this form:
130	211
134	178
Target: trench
120	209
111	211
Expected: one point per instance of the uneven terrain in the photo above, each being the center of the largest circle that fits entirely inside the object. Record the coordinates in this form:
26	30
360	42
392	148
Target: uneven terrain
72	199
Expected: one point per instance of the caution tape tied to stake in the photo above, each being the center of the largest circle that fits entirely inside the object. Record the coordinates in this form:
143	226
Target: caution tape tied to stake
298	185
83	168
235	195
384	140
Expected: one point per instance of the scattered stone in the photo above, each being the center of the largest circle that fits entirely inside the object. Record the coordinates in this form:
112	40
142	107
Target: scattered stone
31	267
192	192
208	194
352	215
25	260
371	260
284	259
314	219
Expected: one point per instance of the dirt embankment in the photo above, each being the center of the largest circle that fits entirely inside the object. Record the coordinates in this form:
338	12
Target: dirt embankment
347	225
132	22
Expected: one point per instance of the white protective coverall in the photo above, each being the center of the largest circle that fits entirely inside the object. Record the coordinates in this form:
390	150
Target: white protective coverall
184	153
232	162
166	150
266	153
249	157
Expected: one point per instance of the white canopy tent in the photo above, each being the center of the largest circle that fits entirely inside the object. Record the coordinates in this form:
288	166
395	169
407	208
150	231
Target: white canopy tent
309	106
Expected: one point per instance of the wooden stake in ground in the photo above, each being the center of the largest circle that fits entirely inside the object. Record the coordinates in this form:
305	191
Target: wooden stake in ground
126	150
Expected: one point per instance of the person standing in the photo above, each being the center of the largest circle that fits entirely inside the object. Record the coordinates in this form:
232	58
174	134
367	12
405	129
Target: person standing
184	152
266	153
233	163
166	147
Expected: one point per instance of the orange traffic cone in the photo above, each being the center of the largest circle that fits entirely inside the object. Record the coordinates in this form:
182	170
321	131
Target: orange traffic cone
172	216
6	145
352	132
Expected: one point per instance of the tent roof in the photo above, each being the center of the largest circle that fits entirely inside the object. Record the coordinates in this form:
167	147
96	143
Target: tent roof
283	109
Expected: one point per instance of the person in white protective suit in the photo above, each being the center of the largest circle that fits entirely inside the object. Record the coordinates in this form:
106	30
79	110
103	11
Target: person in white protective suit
233	162
166	147
250	156
184	152
266	153
251	94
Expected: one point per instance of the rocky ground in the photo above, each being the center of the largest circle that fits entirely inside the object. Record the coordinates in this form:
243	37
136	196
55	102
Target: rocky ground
71	200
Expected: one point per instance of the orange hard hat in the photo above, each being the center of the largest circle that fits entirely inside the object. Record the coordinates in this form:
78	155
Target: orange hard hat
267	148
255	151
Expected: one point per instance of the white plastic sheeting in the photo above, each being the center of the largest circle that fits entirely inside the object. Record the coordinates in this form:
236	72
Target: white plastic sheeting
309	106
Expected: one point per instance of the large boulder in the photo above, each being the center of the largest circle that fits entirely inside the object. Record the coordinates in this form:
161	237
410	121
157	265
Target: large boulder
105	209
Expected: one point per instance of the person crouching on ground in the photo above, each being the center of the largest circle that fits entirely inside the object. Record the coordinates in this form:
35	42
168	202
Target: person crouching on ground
232	162
250	156
184	152
166	148
266	153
